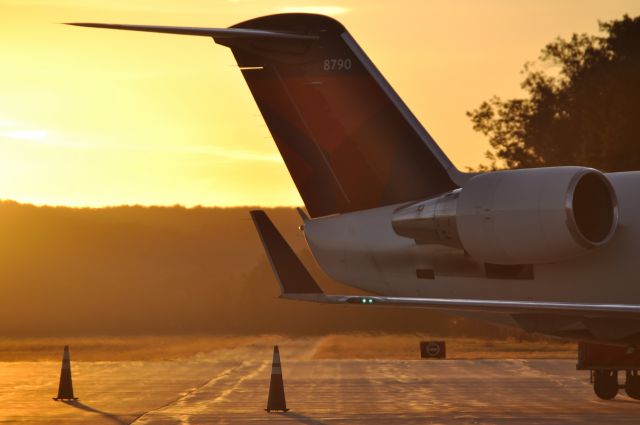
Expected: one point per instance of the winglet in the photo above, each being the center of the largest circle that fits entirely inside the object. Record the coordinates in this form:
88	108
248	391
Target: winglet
292	275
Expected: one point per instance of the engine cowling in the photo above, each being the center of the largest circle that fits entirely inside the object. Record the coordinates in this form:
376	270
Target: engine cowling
527	216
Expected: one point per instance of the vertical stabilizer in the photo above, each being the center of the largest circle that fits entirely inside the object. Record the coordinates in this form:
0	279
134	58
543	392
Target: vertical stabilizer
349	141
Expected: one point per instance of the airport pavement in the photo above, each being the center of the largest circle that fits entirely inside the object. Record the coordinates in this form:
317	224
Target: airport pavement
230	386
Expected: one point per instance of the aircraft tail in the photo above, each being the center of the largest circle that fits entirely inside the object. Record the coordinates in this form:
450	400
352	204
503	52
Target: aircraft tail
348	140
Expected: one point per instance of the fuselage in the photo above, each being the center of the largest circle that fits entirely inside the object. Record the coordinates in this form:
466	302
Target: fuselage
361	249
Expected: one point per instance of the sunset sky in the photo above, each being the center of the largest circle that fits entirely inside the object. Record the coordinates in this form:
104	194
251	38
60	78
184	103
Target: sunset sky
93	117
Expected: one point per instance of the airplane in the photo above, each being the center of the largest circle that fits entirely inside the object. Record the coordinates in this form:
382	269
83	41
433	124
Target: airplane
548	250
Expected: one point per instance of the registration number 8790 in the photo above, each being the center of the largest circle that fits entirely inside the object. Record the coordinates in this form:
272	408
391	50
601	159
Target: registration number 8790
336	64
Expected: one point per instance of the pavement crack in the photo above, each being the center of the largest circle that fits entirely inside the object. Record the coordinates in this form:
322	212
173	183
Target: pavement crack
140	419
200	399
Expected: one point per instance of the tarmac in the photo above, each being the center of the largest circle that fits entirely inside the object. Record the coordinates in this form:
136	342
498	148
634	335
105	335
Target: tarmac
230	387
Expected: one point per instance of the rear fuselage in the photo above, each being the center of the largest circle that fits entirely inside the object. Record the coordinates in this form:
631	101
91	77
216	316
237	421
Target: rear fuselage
361	249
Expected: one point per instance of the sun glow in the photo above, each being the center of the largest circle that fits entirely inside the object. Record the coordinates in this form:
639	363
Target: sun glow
96	117
25	134
322	10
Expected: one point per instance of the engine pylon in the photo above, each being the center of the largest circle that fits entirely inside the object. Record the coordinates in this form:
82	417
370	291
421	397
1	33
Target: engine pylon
276	400
65	389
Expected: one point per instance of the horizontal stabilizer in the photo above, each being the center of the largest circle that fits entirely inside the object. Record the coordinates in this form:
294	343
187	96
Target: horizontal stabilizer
291	273
218	33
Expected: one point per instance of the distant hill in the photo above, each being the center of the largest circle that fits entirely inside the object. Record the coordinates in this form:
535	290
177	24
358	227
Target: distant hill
166	270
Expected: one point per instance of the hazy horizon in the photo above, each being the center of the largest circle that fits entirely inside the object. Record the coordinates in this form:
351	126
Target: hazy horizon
168	270
168	205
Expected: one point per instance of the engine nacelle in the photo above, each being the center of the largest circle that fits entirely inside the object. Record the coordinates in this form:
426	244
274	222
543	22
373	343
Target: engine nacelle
527	216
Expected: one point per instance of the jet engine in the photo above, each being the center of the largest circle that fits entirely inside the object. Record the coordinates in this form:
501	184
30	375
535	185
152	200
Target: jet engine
527	216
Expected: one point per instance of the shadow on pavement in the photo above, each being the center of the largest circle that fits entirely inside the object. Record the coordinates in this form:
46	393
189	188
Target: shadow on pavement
623	400
82	406
301	418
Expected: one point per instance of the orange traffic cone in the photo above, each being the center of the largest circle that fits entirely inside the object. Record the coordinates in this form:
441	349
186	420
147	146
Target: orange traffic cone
65	389
276	399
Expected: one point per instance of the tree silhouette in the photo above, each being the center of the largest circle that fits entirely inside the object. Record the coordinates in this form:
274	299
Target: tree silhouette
582	108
